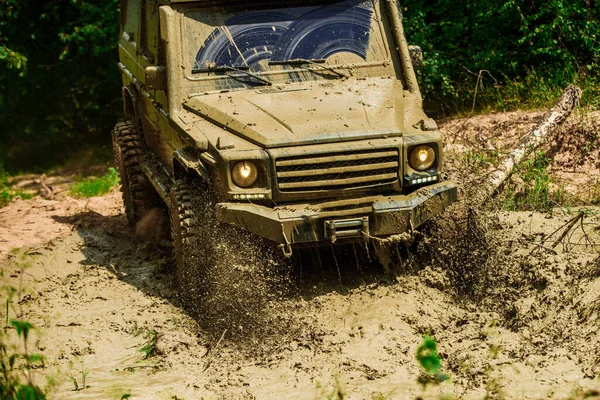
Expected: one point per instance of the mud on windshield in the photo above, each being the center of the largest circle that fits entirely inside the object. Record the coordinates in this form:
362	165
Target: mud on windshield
251	47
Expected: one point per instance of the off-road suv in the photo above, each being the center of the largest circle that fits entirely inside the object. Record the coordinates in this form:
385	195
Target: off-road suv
298	121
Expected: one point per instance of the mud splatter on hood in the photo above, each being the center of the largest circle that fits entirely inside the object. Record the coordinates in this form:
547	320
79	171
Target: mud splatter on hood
303	114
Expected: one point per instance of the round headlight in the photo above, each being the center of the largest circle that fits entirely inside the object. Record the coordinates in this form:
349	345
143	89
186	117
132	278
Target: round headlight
422	157
244	174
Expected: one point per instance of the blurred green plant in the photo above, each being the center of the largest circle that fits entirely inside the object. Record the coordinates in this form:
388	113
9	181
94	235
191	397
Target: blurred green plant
6	192
337	393
475	159
429	359
96	186
12	58
15	366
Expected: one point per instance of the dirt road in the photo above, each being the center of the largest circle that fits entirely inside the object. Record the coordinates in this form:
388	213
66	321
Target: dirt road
513	316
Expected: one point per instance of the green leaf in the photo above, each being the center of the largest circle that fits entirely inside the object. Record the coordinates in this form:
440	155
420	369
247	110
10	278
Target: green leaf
22	327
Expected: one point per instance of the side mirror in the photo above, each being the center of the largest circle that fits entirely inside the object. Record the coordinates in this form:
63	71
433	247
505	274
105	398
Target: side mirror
416	55
156	77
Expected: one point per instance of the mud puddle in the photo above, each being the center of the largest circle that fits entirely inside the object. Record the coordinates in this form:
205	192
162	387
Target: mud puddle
97	296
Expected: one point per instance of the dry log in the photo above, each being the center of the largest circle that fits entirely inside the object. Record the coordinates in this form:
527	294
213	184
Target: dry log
47	191
557	115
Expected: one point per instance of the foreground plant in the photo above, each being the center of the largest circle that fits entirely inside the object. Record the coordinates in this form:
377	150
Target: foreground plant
429	359
15	366
84	375
149	347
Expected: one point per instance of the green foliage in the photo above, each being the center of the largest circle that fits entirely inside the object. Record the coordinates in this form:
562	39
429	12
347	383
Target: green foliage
93	187
67	94
477	159
338	392
516	53
5	194
531	188
429	359
8	56
12	58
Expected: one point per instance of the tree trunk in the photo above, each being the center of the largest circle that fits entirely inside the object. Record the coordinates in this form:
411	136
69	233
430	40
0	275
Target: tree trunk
558	114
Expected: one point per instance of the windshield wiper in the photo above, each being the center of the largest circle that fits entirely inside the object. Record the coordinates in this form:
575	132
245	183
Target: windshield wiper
243	70
318	62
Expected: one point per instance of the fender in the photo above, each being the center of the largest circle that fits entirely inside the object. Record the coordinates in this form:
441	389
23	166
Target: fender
187	160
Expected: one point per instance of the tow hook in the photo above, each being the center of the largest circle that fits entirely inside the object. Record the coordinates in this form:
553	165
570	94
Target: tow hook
286	247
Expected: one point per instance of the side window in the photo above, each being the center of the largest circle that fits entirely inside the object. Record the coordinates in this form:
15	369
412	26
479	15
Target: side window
150	32
130	20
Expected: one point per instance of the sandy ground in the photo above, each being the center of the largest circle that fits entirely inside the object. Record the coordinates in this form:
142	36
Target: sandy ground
514	316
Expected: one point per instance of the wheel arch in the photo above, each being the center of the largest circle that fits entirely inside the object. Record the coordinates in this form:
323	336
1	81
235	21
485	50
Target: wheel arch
129	108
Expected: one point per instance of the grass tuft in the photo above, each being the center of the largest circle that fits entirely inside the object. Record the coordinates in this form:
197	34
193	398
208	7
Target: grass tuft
529	189
149	347
6	192
96	186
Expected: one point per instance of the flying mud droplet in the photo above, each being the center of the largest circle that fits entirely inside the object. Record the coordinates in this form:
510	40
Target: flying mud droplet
237	283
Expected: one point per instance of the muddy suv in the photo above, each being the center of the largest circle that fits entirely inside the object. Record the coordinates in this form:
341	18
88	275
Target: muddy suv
297	121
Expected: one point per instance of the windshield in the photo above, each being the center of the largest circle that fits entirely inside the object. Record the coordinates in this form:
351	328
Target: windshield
318	39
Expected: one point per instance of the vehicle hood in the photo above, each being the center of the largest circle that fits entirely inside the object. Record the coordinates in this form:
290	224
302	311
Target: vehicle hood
307	113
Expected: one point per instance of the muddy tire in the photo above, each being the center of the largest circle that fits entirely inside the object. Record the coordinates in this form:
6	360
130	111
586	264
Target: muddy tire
192	219
224	277
127	149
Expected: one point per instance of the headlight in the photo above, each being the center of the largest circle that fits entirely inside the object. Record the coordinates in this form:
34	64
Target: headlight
422	157
244	174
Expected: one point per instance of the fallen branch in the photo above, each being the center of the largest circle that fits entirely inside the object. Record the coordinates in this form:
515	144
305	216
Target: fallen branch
47	191
569	226
558	114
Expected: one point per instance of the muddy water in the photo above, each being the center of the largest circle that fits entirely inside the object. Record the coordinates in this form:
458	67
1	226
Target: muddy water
96	295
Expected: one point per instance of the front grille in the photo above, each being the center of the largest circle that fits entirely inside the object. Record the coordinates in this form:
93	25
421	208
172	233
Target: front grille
335	171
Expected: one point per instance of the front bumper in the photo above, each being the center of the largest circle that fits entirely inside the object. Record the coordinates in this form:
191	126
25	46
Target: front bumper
378	216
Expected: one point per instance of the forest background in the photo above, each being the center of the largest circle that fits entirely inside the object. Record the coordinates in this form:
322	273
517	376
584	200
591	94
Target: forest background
60	86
